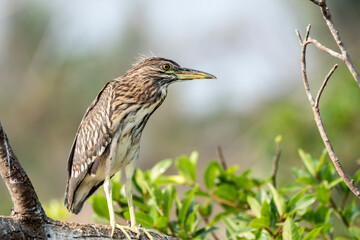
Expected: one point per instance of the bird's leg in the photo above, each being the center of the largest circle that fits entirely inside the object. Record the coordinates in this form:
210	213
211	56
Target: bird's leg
108	194
129	172
128	192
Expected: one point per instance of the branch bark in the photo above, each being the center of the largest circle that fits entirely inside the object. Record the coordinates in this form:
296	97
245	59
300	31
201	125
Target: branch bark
344	56
28	219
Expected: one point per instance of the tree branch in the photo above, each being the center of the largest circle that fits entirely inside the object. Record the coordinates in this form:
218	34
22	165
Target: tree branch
24	198
28	219
221	157
335	33
315	103
276	162
324	84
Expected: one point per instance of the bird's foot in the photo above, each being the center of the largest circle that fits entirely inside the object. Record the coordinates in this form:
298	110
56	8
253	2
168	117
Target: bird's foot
136	229
124	229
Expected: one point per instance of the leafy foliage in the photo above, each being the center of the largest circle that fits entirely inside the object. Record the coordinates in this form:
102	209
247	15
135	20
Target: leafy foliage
55	209
248	208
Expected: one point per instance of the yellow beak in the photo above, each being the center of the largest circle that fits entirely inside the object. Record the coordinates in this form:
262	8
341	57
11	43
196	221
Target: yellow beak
188	74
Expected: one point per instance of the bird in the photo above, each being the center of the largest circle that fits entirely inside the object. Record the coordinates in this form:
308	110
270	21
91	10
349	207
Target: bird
108	137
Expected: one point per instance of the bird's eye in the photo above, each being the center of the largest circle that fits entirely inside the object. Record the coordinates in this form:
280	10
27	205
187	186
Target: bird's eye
166	66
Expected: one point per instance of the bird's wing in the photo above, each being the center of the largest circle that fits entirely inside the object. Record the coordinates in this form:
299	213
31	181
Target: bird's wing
91	140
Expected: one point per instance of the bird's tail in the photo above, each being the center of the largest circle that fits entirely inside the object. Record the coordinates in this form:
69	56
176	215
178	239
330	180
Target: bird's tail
76	206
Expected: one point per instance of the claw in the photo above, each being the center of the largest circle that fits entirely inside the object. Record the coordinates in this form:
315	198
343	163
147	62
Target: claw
136	229
123	230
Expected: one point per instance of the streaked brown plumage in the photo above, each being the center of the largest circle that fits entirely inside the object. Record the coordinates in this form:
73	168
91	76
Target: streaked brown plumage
109	134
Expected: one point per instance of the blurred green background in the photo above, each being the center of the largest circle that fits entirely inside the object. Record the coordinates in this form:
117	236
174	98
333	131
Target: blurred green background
56	56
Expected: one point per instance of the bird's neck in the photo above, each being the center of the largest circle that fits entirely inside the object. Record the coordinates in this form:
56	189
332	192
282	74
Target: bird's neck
142	92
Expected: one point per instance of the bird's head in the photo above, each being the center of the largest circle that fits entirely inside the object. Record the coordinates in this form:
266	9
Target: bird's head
164	72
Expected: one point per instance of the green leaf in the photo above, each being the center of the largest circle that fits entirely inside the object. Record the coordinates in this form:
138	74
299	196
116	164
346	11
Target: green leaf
194	156
99	205
140	182
308	162
177	179
322	194
295	199
313	234
226	191
278	199
321	160
230	225
206	209
306	180
169	196
162	223
116	191
290	230
255	206
356	177
186	169
145	219
261	222
219	217
334	183
159	169
56	210
210	174
265	209
186	207
189	223
304	202
291	187
204	231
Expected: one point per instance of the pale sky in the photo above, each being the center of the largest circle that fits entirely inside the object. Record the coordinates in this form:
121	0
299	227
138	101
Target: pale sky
249	45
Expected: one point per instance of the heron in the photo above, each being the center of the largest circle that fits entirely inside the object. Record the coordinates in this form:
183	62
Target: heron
108	138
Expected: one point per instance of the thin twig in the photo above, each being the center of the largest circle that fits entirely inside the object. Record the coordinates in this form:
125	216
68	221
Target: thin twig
324	84
318	121
335	33
318	2
221	157
275	163
329	51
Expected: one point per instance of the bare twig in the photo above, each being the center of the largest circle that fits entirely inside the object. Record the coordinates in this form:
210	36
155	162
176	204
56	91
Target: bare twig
324	84
221	157
329	51
315	103
318	2
335	33
275	163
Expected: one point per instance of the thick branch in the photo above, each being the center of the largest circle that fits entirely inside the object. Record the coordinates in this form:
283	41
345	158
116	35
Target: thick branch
13	228
24	198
